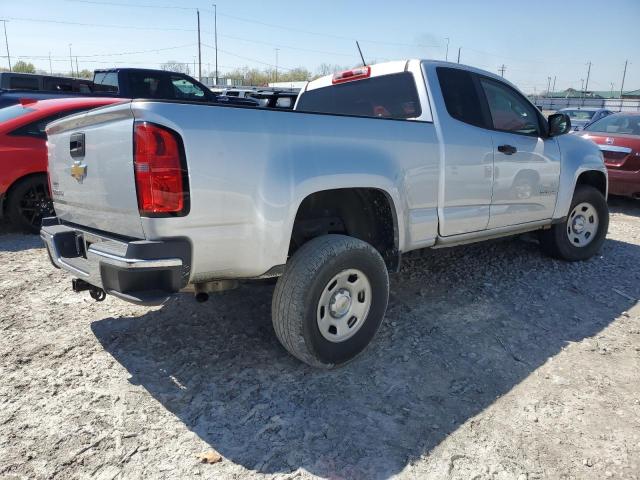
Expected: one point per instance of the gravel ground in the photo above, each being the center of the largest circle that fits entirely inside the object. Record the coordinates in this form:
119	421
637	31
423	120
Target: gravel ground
493	362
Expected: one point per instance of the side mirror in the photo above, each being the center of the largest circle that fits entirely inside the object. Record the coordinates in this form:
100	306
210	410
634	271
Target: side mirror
559	124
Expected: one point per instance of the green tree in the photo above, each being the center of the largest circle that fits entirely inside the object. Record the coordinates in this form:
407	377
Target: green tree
24	67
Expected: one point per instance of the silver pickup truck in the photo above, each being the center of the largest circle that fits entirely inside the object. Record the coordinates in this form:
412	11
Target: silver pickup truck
157	197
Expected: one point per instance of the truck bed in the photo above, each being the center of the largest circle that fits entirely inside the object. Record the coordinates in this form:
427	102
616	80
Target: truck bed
248	169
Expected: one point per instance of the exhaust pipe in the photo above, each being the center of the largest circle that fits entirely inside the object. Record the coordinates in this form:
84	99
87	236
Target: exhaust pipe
202	297
203	289
78	285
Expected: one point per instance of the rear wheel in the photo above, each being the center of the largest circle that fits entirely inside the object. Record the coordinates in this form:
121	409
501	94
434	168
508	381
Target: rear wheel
29	202
330	301
582	234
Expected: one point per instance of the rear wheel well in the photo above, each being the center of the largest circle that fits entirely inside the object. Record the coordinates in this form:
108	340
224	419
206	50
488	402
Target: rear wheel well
595	179
363	213
17	182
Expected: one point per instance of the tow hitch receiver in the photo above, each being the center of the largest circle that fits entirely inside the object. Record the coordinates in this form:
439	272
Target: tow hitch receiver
78	285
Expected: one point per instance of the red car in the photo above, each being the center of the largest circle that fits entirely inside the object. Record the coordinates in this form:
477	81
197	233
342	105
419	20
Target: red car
24	190
618	136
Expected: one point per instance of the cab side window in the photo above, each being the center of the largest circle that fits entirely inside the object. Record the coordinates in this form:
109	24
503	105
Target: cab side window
509	111
461	96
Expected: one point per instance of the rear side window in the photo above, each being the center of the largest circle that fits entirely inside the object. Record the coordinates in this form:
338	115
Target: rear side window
461	96
389	96
57	84
37	128
25	83
14	111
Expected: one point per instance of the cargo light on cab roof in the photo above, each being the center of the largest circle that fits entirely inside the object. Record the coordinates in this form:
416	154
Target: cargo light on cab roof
353	74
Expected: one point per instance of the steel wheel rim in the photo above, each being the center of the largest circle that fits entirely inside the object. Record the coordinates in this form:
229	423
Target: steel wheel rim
36	204
344	305
582	225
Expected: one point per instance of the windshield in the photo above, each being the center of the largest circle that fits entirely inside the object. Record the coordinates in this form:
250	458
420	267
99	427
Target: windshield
620	123
14	111
580	114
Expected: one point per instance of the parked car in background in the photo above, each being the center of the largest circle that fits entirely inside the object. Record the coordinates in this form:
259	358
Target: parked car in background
43	83
618	137
275	98
373	162
15	86
127	83
581	116
24	191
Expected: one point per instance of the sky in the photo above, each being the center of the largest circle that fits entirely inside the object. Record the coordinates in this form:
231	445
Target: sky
534	40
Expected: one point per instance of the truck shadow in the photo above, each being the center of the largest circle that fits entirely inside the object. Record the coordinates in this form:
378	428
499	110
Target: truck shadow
12	240
464	326
628	206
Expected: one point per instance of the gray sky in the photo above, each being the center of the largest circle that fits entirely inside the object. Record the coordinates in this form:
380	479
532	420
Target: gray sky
534	40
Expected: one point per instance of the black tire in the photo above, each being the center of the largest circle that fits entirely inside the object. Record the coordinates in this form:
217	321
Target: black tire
297	294
29	202
555	242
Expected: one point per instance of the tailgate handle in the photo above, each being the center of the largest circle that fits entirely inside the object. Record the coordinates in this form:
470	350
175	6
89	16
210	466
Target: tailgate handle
76	145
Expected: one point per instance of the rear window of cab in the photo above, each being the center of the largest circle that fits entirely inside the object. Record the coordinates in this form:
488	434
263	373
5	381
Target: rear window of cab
392	96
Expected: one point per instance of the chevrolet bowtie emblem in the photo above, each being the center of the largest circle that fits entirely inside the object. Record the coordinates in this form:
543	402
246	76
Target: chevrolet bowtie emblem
78	171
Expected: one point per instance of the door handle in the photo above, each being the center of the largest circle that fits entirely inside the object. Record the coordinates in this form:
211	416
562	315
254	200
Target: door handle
507	149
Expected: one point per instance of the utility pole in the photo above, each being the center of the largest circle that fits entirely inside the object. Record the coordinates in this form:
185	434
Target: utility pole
77	69
586	87
611	89
548	86
71	60
459	48
199	49
624	74
277	50
554	84
501	69
446	55
50	68
215	36
6	43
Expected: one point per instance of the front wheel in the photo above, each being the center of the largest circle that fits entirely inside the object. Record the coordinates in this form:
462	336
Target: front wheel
583	232
330	301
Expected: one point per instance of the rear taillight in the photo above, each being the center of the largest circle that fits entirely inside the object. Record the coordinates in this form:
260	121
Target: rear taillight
161	180
353	74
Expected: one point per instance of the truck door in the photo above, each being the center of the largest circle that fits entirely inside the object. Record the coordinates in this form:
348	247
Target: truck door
526	164
466	174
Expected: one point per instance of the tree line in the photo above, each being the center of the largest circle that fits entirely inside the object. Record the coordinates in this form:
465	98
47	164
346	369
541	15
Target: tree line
241	75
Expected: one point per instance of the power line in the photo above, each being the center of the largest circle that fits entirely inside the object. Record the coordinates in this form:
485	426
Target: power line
99	55
258	22
249	58
180	29
102	25
118	4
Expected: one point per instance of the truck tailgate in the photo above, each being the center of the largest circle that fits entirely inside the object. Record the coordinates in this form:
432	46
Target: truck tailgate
91	170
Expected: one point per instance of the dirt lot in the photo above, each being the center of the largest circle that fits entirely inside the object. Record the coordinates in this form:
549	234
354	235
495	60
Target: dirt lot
493	362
